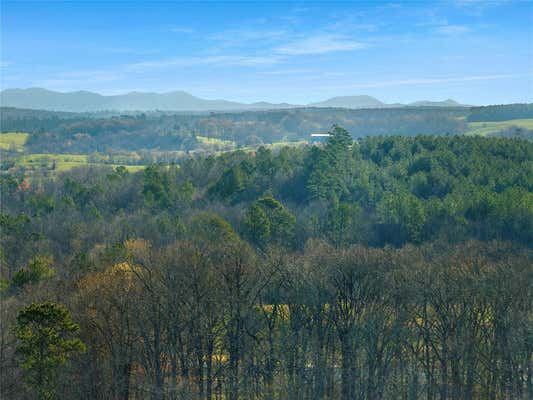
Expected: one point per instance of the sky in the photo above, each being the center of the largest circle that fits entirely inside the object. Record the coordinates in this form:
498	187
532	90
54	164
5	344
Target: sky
476	52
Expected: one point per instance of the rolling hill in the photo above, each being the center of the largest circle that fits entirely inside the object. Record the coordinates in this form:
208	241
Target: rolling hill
84	101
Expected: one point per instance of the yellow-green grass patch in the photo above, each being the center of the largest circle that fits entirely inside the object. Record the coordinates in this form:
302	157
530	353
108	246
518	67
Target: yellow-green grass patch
130	168
211	141
13	140
64	162
489	127
279	145
45	158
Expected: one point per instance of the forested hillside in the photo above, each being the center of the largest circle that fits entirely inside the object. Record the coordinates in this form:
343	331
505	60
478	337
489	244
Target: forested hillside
159	132
83	133
380	268
501	112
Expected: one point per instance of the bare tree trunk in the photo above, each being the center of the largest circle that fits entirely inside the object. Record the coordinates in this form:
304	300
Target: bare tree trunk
174	375
319	367
348	373
125	381
158	371
529	378
234	358
470	372
444	370
209	367
200	368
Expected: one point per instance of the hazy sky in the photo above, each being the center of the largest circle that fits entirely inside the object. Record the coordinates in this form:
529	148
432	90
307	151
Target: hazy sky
477	52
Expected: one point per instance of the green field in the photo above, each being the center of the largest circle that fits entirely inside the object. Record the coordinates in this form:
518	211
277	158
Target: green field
13	141
489	128
280	145
63	162
219	146
210	141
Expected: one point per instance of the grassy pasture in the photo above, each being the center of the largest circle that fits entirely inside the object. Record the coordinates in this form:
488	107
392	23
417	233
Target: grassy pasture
63	162
489	128
13	141
280	145
210	141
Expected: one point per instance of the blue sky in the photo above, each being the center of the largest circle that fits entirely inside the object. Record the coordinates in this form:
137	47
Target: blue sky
477	52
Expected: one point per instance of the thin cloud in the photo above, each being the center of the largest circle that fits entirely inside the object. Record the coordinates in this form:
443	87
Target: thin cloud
248	34
320	44
452	29
430	81
71	80
477	8
484	3
181	30
245	37
295	71
97	75
433	22
211	60
128	50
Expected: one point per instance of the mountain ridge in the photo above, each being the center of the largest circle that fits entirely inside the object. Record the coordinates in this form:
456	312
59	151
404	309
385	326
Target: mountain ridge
87	101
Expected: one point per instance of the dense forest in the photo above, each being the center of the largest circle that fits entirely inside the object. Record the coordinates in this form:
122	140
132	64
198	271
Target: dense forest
378	268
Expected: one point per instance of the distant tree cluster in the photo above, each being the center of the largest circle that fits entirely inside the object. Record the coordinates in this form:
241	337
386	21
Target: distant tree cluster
501	112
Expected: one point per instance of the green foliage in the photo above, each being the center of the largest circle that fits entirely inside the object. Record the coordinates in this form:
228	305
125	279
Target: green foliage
4	284
37	269
161	191
258	224
343	224
42	204
339	141
13	224
268	221
156	187
502	112
47	338
509	213
80	195
402	216
230	183
333	168
463	187
210	228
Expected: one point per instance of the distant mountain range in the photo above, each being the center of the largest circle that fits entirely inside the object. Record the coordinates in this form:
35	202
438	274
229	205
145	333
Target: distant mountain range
83	101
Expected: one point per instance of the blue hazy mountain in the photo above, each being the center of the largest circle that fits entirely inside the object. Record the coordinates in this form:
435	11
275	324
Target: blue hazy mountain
84	101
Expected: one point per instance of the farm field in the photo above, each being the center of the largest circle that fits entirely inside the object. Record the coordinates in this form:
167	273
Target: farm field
62	162
489	127
279	145
13	141
55	162
214	141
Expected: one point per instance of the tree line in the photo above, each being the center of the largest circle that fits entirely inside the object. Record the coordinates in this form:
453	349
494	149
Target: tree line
502	112
77	133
